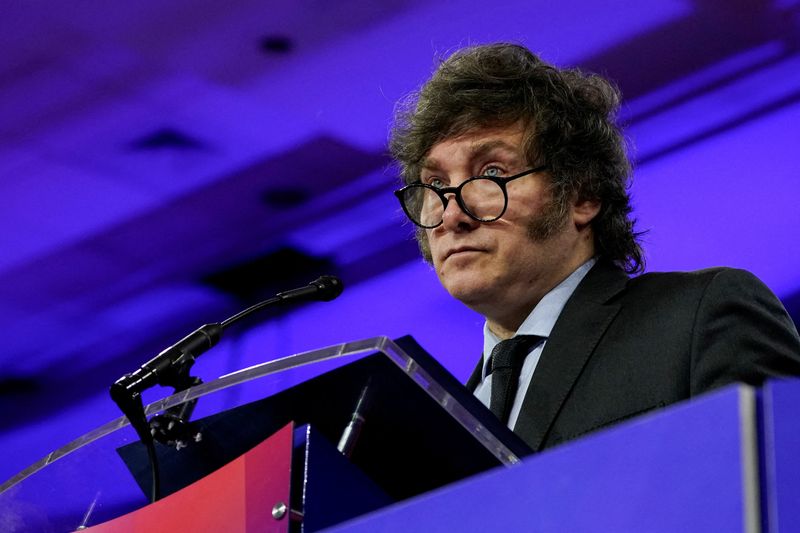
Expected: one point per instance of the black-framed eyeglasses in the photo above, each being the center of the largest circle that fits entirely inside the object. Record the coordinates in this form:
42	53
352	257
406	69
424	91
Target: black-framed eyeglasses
482	198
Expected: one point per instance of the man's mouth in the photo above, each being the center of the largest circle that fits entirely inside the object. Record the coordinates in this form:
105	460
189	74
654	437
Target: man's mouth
461	250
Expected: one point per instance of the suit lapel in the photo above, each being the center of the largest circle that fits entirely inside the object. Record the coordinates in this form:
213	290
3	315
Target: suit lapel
584	319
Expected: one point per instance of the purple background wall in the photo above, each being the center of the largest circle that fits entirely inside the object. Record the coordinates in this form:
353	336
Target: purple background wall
162	165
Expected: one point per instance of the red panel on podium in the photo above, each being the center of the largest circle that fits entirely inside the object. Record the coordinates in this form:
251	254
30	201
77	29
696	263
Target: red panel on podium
237	497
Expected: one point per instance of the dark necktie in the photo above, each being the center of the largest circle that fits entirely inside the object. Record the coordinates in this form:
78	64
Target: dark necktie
505	367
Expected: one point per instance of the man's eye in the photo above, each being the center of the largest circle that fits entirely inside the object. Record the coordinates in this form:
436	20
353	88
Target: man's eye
435	182
493	172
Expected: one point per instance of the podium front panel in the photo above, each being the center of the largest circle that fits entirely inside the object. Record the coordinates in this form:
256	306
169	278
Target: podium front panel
781	455
688	468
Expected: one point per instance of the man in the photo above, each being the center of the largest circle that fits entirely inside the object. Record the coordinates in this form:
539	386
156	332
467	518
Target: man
516	176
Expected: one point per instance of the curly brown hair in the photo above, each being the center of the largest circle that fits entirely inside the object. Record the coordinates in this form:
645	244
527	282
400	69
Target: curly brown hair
570	118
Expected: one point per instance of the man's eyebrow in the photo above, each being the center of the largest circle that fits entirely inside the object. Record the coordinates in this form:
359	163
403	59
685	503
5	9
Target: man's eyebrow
430	163
483	148
477	150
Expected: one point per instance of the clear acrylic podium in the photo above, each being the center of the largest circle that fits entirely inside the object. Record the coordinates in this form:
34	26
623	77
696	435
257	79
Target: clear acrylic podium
416	429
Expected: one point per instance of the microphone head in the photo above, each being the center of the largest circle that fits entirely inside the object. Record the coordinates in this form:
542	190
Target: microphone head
328	287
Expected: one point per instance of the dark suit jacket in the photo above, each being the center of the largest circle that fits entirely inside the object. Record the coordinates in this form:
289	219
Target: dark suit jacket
624	346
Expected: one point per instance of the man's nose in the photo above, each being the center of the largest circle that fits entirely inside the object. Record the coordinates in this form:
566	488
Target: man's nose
455	219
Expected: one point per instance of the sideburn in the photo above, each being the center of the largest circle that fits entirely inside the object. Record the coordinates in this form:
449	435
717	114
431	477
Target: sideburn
549	221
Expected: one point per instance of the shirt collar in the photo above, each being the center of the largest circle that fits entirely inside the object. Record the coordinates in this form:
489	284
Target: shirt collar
543	317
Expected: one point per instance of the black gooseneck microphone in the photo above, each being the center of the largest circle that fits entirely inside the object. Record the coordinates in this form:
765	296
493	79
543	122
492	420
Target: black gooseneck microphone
171	368
162	368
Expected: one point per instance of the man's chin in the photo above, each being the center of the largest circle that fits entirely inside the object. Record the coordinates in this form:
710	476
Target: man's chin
470	292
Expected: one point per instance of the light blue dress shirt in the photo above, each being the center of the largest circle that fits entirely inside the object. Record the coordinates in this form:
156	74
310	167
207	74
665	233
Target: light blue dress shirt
540	322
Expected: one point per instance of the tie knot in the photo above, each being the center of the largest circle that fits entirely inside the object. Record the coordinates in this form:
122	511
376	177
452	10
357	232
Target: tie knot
510	353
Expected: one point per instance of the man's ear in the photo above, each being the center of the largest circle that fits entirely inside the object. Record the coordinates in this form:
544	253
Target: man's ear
584	211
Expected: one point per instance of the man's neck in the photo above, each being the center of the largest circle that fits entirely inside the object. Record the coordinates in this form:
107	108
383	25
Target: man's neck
503	332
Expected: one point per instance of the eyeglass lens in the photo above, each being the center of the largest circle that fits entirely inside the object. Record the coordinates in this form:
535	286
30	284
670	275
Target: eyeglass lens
483	199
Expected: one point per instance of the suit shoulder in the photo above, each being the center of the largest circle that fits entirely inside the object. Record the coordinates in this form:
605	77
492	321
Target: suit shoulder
691	288
696	279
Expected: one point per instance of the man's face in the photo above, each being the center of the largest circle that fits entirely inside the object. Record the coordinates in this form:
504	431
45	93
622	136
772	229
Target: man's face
502	267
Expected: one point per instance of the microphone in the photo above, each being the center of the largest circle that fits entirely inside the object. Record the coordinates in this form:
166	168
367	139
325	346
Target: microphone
167	367
324	289
352	431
